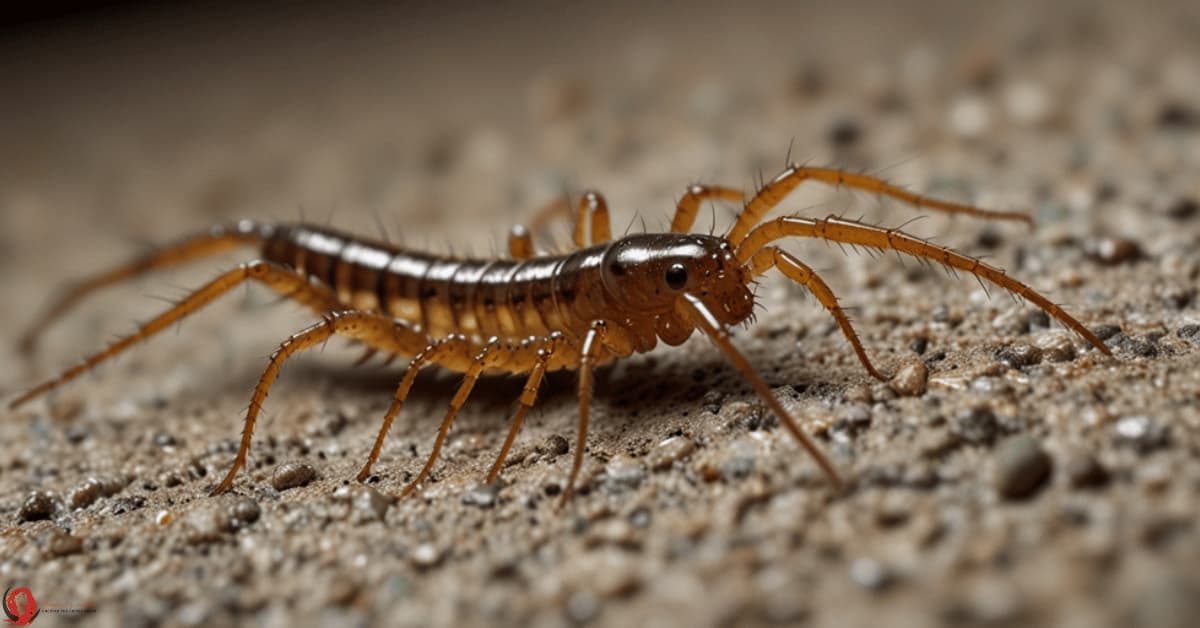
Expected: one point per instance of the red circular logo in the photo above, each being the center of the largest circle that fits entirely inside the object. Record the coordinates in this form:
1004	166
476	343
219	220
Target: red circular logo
20	606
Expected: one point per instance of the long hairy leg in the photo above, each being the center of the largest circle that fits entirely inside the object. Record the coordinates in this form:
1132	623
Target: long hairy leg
774	191
215	241
279	278
454	352
853	232
545	350
590	349
370	328
491	354
720	336
804	275
689	206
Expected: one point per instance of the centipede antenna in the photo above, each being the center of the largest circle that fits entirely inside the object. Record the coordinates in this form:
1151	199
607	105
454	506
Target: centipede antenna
719	335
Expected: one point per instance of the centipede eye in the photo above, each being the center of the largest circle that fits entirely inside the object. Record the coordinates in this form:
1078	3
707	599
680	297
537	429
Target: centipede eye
676	277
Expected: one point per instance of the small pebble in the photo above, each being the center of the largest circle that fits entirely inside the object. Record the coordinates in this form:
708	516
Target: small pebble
37	506
844	133
205	524
1022	467
63	544
292	475
739	460
737	414
1190	332
425	555
1012	321
977	426
368	504
1113	251
1018	355
92	489
860	393
970	117
582	607
1056	347
1176	297
1177	117
1182	208
1106	331
853	419
1140	347
553	446
1084	471
482	495
1141	432
623	473
241	513
871	574
670	451
1028	103
910	380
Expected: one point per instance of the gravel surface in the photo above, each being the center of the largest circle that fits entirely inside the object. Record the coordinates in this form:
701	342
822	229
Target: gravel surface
1007	474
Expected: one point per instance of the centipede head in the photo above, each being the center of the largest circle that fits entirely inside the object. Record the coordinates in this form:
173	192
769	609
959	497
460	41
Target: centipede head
652	272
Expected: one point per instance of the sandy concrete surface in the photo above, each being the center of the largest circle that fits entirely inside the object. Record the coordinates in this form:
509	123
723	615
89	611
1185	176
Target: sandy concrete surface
1010	475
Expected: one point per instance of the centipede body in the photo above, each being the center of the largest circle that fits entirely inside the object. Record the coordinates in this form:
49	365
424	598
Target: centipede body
530	314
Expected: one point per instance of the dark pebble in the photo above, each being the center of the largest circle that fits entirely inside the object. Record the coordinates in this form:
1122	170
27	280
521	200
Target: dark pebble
1084	471
1106	331
1038	319
1022	467
1141	347
1182	208
919	345
989	239
1019	355
292	475
553	446
1178	117
37	506
1141	432
1191	333
844	133
241	513
977	426
1113	251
